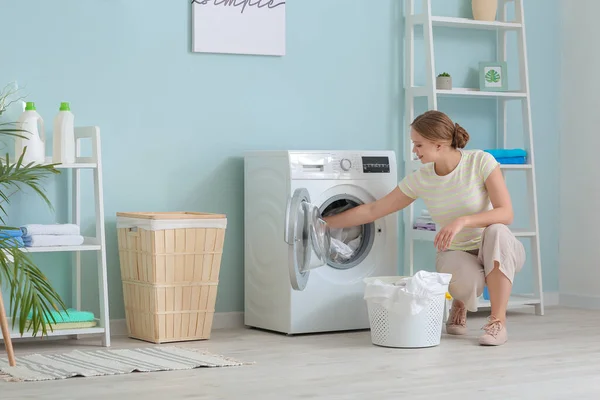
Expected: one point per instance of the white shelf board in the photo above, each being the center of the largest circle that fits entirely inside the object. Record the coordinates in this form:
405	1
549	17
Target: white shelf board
514	301
14	333
89	244
423	235
81	163
515	166
429	236
421	91
77	166
416	164
452	22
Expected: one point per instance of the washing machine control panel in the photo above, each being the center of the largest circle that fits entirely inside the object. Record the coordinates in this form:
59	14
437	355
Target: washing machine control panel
341	164
376	164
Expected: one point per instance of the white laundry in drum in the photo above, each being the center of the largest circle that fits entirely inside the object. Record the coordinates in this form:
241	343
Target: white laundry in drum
344	241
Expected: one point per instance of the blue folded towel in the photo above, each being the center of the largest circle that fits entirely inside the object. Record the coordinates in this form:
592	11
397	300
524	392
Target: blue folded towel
507	153
11	242
511	160
11	238
10	233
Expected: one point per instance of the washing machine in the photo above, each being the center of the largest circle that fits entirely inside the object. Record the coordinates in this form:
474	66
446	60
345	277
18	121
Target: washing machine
300	276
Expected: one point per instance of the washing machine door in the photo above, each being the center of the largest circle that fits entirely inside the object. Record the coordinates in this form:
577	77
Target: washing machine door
308	236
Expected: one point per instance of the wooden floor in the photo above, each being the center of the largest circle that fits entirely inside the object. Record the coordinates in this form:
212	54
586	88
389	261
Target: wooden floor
556	356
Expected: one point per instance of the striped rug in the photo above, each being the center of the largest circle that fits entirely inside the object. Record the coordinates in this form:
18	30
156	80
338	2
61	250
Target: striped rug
42	367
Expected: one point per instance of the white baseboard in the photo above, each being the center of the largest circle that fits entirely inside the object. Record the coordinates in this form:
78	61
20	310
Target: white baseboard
228	320
118	327
551	299
580	301
233	320
225	320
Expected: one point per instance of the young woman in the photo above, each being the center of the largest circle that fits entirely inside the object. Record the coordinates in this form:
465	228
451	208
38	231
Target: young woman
465	194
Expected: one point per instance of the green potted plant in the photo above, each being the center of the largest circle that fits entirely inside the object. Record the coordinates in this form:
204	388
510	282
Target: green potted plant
443	81
31	296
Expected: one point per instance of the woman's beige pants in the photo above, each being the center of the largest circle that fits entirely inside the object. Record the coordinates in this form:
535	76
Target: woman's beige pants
469	268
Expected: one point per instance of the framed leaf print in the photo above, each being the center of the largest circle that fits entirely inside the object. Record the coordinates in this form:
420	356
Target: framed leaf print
493	77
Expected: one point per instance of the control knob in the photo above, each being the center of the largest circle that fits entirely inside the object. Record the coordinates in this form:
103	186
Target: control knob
345	164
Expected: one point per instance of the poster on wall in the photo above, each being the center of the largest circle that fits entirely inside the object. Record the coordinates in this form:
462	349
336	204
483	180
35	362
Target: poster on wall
239	26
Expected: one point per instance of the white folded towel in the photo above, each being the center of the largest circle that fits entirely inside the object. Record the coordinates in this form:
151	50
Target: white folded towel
53	240
51	229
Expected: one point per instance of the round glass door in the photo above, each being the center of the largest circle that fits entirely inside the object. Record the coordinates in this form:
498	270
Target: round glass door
348	246
308	236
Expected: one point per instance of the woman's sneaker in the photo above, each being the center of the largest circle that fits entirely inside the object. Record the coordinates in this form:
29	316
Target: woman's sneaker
495	333
457	320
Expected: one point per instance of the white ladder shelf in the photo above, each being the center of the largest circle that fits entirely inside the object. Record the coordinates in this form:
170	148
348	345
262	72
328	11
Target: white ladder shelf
97	243
502	26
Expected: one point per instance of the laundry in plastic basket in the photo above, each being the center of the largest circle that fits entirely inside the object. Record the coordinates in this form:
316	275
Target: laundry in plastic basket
402	294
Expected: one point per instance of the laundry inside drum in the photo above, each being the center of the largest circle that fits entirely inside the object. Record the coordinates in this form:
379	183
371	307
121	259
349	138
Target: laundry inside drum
349	246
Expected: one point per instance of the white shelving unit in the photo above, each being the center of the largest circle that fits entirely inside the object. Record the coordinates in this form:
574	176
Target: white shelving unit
96	244
502	26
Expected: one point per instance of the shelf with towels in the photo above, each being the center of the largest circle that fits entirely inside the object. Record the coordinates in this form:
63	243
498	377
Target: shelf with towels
14	332
91	134
416	164
512	161
89	244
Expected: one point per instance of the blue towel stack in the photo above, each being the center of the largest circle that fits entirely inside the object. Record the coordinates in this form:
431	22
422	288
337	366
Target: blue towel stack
11	238
509	156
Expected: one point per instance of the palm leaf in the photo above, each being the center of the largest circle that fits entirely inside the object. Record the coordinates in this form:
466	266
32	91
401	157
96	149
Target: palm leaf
7	130
16	176
32	297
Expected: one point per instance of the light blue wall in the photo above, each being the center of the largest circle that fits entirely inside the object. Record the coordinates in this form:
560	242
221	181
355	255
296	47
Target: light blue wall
175	124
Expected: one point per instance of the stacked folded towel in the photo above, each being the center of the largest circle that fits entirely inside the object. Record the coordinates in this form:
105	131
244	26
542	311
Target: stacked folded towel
424	222
69	319
11	238
69	315
37	235
509	156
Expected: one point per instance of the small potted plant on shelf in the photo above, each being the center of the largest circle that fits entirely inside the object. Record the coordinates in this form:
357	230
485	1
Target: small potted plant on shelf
484	10
444	81
31	296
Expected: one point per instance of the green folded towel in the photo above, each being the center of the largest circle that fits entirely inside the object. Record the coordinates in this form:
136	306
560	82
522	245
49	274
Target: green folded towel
71	315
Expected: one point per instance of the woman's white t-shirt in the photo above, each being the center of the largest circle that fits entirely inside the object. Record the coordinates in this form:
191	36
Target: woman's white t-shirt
462	192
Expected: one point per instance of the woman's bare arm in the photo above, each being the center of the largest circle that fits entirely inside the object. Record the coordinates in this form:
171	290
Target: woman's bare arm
502	212
396	200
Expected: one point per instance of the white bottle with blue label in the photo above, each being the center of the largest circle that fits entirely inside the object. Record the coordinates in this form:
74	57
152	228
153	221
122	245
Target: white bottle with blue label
63	141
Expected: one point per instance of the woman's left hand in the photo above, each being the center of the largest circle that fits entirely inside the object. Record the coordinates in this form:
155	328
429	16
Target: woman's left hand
445	236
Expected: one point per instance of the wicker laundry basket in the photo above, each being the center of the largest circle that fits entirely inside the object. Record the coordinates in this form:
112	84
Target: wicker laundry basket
170	264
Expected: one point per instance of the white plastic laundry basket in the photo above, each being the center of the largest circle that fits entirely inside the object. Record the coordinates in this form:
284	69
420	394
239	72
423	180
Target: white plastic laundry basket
391	328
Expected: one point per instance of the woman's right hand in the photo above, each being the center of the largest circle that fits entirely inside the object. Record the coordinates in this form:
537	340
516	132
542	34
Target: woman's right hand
394	201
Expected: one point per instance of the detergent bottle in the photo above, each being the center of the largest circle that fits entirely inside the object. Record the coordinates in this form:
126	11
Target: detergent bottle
30	125
63	141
